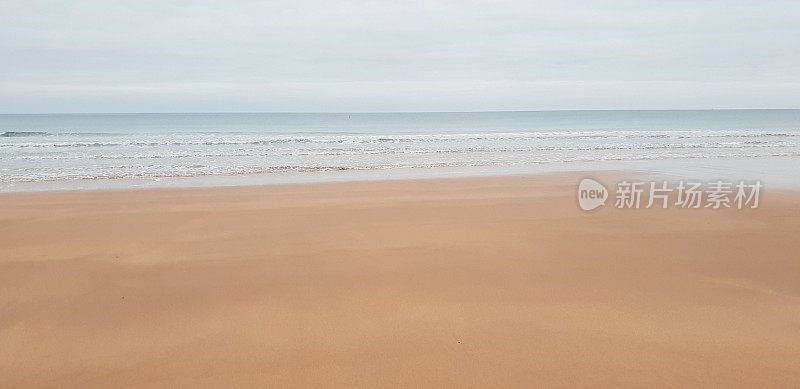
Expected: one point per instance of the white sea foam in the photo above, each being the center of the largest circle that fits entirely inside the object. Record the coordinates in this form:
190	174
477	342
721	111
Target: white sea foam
107	150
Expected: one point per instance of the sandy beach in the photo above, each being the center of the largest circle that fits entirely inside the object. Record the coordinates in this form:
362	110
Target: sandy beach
484	282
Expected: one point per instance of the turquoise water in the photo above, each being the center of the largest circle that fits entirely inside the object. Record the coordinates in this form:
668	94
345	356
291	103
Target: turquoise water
413	122
58	149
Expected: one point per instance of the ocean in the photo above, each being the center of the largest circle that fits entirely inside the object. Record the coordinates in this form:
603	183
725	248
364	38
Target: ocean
75	151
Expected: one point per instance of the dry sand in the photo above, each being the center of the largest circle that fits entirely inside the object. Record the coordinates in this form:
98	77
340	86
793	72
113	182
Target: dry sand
472	282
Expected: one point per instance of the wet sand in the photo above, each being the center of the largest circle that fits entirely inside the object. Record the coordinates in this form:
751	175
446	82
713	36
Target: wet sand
480	282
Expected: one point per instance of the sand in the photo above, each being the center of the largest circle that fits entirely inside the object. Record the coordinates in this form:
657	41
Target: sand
471	282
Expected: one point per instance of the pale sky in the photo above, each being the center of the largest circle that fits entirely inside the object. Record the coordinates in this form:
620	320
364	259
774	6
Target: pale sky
366	56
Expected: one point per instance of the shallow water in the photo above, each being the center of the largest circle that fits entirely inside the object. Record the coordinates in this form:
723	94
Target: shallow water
124	150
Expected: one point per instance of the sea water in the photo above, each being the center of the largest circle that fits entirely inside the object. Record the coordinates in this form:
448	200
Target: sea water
66	151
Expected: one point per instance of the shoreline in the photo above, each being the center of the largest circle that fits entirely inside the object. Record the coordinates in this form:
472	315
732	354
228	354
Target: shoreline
778	172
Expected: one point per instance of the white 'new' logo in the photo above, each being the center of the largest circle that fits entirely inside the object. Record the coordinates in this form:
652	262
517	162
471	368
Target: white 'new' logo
591	194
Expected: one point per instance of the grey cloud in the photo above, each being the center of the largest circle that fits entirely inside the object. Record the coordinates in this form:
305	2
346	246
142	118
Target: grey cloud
94	56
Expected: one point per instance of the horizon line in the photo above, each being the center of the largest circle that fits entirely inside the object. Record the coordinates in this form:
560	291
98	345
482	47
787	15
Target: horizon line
396	112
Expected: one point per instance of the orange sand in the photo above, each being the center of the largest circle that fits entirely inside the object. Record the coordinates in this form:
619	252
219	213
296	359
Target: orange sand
472	282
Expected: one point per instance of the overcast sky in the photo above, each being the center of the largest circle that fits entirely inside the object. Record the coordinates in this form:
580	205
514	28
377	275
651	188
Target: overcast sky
238	55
